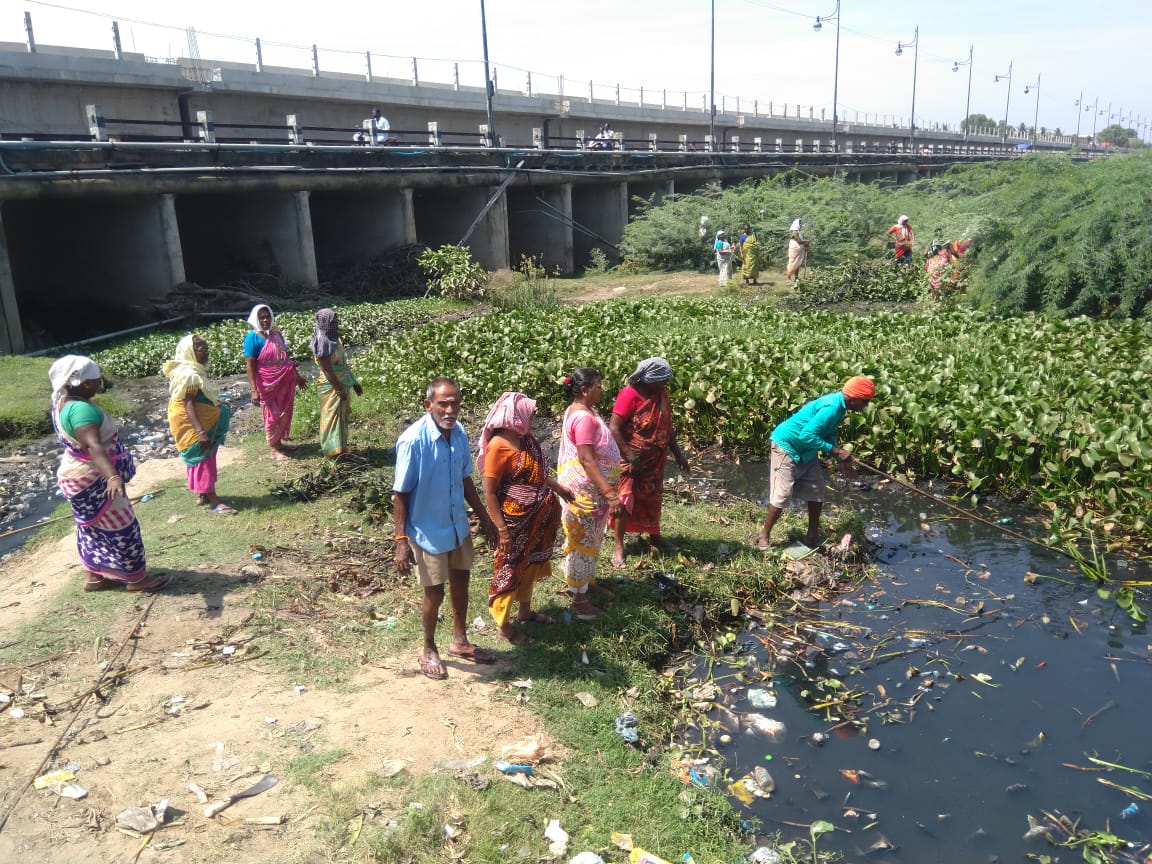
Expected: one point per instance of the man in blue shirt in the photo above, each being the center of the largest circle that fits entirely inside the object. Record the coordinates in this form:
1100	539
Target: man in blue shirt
433	482
796	444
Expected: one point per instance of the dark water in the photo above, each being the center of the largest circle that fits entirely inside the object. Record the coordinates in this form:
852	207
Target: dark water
959	772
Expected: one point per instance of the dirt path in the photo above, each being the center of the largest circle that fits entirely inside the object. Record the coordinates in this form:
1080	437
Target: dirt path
239	720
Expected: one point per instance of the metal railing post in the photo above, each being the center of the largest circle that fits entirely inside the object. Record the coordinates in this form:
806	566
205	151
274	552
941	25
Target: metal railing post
117	49
29	36
207	127
368	66
415	74
315	61
434	133
96	126
455	76
294	136
260	56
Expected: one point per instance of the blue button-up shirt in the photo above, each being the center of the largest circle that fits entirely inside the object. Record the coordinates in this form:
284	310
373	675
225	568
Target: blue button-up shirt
431	470
812	429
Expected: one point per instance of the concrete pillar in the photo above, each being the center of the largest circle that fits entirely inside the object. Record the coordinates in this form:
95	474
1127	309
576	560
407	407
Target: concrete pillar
409	215
303	268
540	225
601	208
170	230
11	330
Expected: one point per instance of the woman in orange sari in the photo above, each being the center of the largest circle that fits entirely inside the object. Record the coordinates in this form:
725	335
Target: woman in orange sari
518	494
642	427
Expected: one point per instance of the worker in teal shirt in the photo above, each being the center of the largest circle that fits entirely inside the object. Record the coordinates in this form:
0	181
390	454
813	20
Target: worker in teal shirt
797	442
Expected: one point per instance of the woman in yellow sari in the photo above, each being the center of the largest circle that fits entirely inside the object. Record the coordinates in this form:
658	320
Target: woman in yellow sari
333	385
198	419
750	255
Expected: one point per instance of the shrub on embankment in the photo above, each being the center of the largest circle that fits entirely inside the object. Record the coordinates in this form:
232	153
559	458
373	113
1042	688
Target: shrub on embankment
1056	408
1050	235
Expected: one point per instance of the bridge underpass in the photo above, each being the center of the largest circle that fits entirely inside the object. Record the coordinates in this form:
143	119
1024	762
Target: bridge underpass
106	233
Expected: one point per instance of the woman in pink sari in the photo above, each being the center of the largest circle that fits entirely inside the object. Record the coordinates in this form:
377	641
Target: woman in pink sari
273	377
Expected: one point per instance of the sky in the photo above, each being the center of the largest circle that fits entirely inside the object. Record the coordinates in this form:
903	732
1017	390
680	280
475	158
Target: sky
766	50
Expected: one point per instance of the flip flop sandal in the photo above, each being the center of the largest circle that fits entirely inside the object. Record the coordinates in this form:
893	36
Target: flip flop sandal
433	668
618	563
223	510
149	583
100	584
473	653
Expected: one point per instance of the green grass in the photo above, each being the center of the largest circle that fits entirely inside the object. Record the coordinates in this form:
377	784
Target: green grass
25	395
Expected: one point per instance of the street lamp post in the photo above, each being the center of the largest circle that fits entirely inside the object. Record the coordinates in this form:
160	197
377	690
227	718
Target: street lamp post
968	102
1007	99
487	76
712	83
900	46
1078	113
1035	116
1095	113
836	68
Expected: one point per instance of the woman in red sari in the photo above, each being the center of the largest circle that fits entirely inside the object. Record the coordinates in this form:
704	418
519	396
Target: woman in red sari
273	377
518	494
642	427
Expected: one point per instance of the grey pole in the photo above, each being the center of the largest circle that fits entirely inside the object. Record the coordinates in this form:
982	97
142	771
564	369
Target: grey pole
712	83
487	79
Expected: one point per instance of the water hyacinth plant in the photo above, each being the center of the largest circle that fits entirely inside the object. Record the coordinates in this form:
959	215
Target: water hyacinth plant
1054	409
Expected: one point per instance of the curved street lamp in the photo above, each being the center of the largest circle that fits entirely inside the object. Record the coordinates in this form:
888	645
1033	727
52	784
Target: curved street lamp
820	19
900	46
1078	113
968	103
1036	115
1007	99
487	76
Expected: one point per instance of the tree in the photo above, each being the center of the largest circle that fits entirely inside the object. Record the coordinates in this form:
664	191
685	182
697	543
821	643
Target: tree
977	122
1116	135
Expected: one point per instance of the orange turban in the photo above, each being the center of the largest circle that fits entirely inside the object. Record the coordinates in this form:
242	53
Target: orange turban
859	387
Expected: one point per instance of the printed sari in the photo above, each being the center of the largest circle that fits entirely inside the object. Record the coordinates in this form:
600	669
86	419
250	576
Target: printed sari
107	533
647	431
278	377
334	410
797	253
532	515
586	516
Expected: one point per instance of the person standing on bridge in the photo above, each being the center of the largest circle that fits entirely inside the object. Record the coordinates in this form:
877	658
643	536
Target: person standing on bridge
381	129
902	236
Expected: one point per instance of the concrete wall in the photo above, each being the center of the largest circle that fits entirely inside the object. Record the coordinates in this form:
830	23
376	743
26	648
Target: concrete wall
539	226
652	191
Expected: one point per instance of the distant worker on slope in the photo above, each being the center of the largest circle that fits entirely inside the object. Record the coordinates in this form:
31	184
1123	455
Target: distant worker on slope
902	236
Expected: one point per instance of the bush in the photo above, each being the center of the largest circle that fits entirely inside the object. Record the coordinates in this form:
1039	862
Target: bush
597	261
860	279
532	290
453	272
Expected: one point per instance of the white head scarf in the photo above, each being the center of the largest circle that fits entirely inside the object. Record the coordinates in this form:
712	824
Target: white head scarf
797	224
901	220
71	370
254	318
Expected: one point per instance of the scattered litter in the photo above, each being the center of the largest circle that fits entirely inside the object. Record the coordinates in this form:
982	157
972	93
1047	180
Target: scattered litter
257	556
271	721
299	689
200	794
478	623
1130	811
262	785
173	705
587	700
639	856
584	658
587	858
1035	829
762	698
44	781
758	724
228	650
529	749
764	855
522	684
137	819
459	764
623	841
506	767
452	831
873	744
16	713
5	698
797	552
389	768
725	738
557	838
627	727
160	809
148	496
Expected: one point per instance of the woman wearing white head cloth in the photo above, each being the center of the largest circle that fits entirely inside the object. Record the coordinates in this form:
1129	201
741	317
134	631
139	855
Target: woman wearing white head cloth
797	250
272	376
723	256
91	476
642	426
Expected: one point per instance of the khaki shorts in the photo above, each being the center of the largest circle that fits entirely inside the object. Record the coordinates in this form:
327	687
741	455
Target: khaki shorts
791	480
433	569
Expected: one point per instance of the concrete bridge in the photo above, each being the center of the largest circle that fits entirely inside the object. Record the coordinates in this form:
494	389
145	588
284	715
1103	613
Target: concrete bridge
126	178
